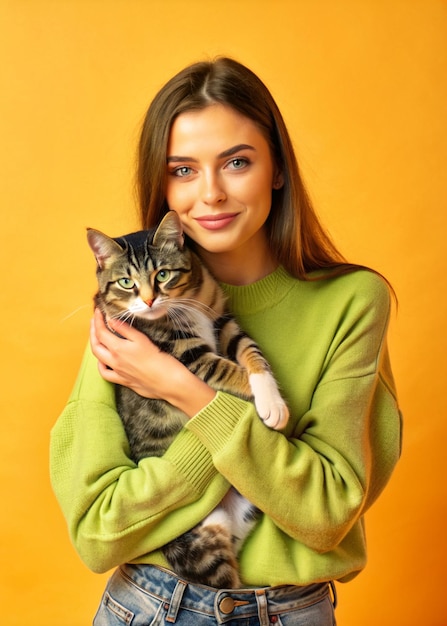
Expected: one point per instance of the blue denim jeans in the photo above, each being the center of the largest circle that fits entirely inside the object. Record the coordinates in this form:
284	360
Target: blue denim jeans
145	595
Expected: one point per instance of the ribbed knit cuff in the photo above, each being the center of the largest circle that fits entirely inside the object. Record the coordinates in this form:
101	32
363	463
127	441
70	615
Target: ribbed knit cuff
192	459
215	424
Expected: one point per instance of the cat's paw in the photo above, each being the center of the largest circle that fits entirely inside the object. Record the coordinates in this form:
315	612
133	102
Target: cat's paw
277	416
269	403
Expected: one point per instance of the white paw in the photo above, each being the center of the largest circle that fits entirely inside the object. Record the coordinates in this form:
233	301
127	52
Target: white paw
269	404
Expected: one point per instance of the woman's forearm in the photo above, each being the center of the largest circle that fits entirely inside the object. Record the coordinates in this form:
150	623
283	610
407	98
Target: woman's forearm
188	393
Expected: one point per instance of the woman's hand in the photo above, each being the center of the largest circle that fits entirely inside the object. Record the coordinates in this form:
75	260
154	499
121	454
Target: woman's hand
132	360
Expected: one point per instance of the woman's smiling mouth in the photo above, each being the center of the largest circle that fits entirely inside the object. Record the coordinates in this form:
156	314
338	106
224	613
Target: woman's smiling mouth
216	222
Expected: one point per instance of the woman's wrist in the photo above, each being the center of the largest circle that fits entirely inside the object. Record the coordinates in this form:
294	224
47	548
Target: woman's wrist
189	393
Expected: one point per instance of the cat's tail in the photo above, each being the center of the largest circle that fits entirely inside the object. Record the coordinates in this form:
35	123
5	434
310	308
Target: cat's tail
205	555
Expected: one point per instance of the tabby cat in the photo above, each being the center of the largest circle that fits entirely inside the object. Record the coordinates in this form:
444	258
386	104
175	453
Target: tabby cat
156	283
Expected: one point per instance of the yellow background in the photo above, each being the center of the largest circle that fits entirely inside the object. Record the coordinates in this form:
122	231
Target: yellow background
362	85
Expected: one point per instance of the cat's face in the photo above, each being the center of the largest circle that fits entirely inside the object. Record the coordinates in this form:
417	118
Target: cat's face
143	273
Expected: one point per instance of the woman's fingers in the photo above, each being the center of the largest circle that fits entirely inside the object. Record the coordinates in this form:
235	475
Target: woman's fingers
125	358
130	359
125	330
104	344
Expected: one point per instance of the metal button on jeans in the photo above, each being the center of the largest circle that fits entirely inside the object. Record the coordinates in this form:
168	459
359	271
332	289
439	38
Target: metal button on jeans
226	605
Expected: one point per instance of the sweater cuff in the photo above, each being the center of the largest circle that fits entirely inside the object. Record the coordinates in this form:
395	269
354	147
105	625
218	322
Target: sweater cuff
192	459
216	423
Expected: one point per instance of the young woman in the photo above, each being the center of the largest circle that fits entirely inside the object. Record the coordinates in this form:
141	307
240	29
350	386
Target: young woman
214	149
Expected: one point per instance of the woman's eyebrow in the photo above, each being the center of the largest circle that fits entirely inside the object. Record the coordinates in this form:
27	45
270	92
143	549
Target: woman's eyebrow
180	159
234	150
222	155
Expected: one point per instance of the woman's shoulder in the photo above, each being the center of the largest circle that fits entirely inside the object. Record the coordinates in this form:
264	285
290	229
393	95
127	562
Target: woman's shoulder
365	282
359	288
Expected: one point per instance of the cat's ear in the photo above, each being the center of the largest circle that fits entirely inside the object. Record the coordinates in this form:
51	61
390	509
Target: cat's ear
103	247
169	231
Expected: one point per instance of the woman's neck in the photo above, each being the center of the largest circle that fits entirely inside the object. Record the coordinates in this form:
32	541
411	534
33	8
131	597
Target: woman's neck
239	268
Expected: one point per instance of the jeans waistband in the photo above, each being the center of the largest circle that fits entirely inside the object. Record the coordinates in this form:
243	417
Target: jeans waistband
223	604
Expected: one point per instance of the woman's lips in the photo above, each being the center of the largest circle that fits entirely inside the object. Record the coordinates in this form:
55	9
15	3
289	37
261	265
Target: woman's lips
216	222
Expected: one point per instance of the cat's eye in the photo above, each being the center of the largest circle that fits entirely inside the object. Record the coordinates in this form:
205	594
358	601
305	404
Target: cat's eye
163	276
126	283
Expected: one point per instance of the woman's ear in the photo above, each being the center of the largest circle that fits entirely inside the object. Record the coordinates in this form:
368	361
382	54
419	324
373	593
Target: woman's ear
278	180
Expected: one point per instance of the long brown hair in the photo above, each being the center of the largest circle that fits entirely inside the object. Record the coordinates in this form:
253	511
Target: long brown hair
296	236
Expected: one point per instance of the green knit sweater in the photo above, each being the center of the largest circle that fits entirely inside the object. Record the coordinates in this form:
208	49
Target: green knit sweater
326	342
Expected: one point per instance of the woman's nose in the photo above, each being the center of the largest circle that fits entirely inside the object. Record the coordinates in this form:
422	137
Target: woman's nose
213	191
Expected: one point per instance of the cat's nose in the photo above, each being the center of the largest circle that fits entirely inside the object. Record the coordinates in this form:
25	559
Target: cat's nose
149	302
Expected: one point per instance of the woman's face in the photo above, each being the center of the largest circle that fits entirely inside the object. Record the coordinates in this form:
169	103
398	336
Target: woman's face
220	175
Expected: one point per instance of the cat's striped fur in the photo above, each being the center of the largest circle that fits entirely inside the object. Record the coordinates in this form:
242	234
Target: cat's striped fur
156	283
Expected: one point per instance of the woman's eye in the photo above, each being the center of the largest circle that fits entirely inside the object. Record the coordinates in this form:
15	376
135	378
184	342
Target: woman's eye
163	276
126	283
238	164
182	171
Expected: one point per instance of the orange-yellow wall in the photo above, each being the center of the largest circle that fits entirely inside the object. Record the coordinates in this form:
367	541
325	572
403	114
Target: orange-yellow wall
363	87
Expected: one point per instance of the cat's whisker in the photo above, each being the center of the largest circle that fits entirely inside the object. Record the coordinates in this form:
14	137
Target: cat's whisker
180	322
174	312
67	317
186	306
191	304
184	309
126	316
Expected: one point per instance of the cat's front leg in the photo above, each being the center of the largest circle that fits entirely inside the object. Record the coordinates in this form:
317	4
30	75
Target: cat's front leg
269	403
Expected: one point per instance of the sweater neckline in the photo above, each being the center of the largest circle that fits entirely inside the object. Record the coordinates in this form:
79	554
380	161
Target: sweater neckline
260	295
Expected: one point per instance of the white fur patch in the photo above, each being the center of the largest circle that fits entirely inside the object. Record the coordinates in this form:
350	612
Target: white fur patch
218	517
204	328
240	511
269	404
141	309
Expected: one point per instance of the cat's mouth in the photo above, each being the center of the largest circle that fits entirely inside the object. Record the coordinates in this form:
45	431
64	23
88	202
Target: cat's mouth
152	314
154	311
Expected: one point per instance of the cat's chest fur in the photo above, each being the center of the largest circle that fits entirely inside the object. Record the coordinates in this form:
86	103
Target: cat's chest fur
204	328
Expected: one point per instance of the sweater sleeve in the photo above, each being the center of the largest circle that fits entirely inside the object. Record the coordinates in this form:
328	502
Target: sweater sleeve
315	479
117	511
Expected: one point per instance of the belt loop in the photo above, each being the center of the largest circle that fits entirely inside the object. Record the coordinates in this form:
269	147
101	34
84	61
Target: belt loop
263	614
334	593
174	603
